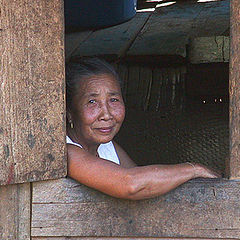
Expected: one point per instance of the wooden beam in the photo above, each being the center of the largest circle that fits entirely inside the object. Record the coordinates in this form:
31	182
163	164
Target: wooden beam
234	165
197	209
120	238
32	104
209	49
112	40
169	28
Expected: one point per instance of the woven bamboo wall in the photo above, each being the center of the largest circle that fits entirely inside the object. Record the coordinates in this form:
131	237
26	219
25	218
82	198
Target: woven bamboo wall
166	125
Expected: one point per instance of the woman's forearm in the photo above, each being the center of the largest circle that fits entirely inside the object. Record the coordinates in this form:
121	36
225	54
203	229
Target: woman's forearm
156	180
130	183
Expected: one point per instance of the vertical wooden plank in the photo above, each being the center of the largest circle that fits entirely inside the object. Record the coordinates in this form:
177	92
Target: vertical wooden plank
159	94
171	86
155	90
123	74
181	92
163	95
32	105
234	165
144	88
15	212
132	86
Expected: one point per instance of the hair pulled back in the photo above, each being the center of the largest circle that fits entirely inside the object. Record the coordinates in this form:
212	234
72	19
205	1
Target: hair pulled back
76	72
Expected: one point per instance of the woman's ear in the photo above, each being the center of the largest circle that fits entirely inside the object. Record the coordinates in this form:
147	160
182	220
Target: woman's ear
69	120
69	116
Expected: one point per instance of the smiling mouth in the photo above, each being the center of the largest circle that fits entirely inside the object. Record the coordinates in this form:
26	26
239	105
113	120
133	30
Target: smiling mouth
105	130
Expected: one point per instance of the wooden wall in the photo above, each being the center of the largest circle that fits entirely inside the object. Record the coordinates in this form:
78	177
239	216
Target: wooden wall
152	88
65	209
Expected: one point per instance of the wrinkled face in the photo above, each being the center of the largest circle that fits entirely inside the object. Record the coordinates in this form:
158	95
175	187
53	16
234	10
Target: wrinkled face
98	109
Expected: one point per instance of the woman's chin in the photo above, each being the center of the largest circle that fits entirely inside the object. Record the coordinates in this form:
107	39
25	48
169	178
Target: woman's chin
105	139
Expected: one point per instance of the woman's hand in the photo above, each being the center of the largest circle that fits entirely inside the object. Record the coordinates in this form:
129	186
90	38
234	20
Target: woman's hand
204	172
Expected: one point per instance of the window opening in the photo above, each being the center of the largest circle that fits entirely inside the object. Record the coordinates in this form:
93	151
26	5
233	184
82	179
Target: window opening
182	117
177	100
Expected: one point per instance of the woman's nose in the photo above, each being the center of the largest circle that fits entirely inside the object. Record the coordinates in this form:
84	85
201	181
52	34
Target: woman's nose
105	112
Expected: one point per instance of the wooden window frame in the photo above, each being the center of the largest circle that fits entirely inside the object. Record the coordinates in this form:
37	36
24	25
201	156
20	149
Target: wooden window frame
201	208
233	167
198	209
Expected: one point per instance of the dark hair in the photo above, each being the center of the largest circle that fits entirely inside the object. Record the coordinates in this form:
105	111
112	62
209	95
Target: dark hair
84	68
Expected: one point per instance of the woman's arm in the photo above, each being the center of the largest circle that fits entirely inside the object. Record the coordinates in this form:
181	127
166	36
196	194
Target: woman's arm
130	183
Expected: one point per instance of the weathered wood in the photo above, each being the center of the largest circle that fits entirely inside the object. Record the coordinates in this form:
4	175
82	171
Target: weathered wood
132	98
15	205
122	71
73	40
156	90
164	102
144	88
165	32
169	28
234	165
200	208
167	87
121	238
64	190
133	37
32	91
209	49
111	40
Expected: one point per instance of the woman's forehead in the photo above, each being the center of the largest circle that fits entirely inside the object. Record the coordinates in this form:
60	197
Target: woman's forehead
99	81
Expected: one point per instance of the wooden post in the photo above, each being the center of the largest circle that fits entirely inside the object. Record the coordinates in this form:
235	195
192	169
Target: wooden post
32	106
234	87
32	114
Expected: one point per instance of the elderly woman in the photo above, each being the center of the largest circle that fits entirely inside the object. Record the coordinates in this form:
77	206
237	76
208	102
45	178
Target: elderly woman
95	112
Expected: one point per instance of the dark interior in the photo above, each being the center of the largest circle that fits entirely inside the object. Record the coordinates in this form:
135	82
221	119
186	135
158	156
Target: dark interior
192	128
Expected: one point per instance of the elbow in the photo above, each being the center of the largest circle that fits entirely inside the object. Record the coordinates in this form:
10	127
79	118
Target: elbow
132	189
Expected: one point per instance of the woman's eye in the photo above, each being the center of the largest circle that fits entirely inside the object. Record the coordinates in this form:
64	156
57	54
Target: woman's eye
114	100
91	101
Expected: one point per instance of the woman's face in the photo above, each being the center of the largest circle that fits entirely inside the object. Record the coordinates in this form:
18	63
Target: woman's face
98	109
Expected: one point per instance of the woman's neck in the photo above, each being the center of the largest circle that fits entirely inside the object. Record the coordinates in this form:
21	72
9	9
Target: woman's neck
91	148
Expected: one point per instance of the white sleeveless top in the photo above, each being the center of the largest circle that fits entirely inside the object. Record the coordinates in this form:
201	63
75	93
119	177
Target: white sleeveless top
105	150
